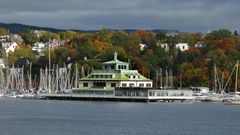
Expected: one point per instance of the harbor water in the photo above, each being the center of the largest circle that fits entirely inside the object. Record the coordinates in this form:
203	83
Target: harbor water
49	117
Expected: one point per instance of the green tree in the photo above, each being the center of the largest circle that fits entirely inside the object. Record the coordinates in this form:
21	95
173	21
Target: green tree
68	35
218	34
3	31
105	36
119	38
46	36
161	36
30	37
23	51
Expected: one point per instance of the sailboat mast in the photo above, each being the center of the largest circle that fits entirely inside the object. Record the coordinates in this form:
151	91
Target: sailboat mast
156	79
49	67
236	80
160	78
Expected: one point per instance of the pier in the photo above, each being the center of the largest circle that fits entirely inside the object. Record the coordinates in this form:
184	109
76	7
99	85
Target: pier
151	96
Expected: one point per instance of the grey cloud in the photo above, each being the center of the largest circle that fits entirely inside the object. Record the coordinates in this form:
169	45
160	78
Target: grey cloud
184	15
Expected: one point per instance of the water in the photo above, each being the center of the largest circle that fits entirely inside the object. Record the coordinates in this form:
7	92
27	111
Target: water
43	117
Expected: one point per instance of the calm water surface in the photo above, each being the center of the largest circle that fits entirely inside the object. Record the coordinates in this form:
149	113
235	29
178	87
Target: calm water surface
42	117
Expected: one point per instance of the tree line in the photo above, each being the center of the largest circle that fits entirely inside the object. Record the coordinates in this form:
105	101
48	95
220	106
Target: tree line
195	66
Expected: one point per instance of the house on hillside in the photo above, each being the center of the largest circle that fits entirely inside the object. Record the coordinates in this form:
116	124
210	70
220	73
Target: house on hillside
39	47
182	46
142	46
16	38
9	47
199	44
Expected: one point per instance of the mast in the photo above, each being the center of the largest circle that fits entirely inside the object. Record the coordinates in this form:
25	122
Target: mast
180	81
76	76
171	78
236	80
156	79
30	77
49	67
216	79
160	75
166	79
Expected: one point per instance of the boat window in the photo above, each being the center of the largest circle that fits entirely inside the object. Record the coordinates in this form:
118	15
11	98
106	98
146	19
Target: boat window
131	84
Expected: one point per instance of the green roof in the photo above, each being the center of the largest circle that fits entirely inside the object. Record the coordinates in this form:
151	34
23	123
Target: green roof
115	62
114	75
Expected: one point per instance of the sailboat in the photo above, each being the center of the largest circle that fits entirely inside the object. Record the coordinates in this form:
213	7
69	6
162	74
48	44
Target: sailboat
235	98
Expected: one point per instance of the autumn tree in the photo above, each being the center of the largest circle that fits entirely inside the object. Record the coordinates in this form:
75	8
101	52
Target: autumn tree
84	46
133	41
21	51
105	36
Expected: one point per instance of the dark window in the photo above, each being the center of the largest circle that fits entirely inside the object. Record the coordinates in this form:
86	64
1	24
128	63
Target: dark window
124	85
141	85
113	84
99	84
85	84
148	84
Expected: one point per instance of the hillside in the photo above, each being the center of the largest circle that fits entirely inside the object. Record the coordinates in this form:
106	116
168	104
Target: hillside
18	28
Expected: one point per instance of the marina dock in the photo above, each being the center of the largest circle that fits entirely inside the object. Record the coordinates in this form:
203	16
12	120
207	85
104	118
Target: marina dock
168	96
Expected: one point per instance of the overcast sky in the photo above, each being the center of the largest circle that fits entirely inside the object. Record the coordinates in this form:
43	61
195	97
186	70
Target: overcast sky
183	15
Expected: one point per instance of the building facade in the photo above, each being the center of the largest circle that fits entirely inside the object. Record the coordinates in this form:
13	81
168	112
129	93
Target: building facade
114	74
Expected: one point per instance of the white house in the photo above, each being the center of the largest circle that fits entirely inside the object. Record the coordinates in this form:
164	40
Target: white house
182	46
142	46
10	47
199	44
39	47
